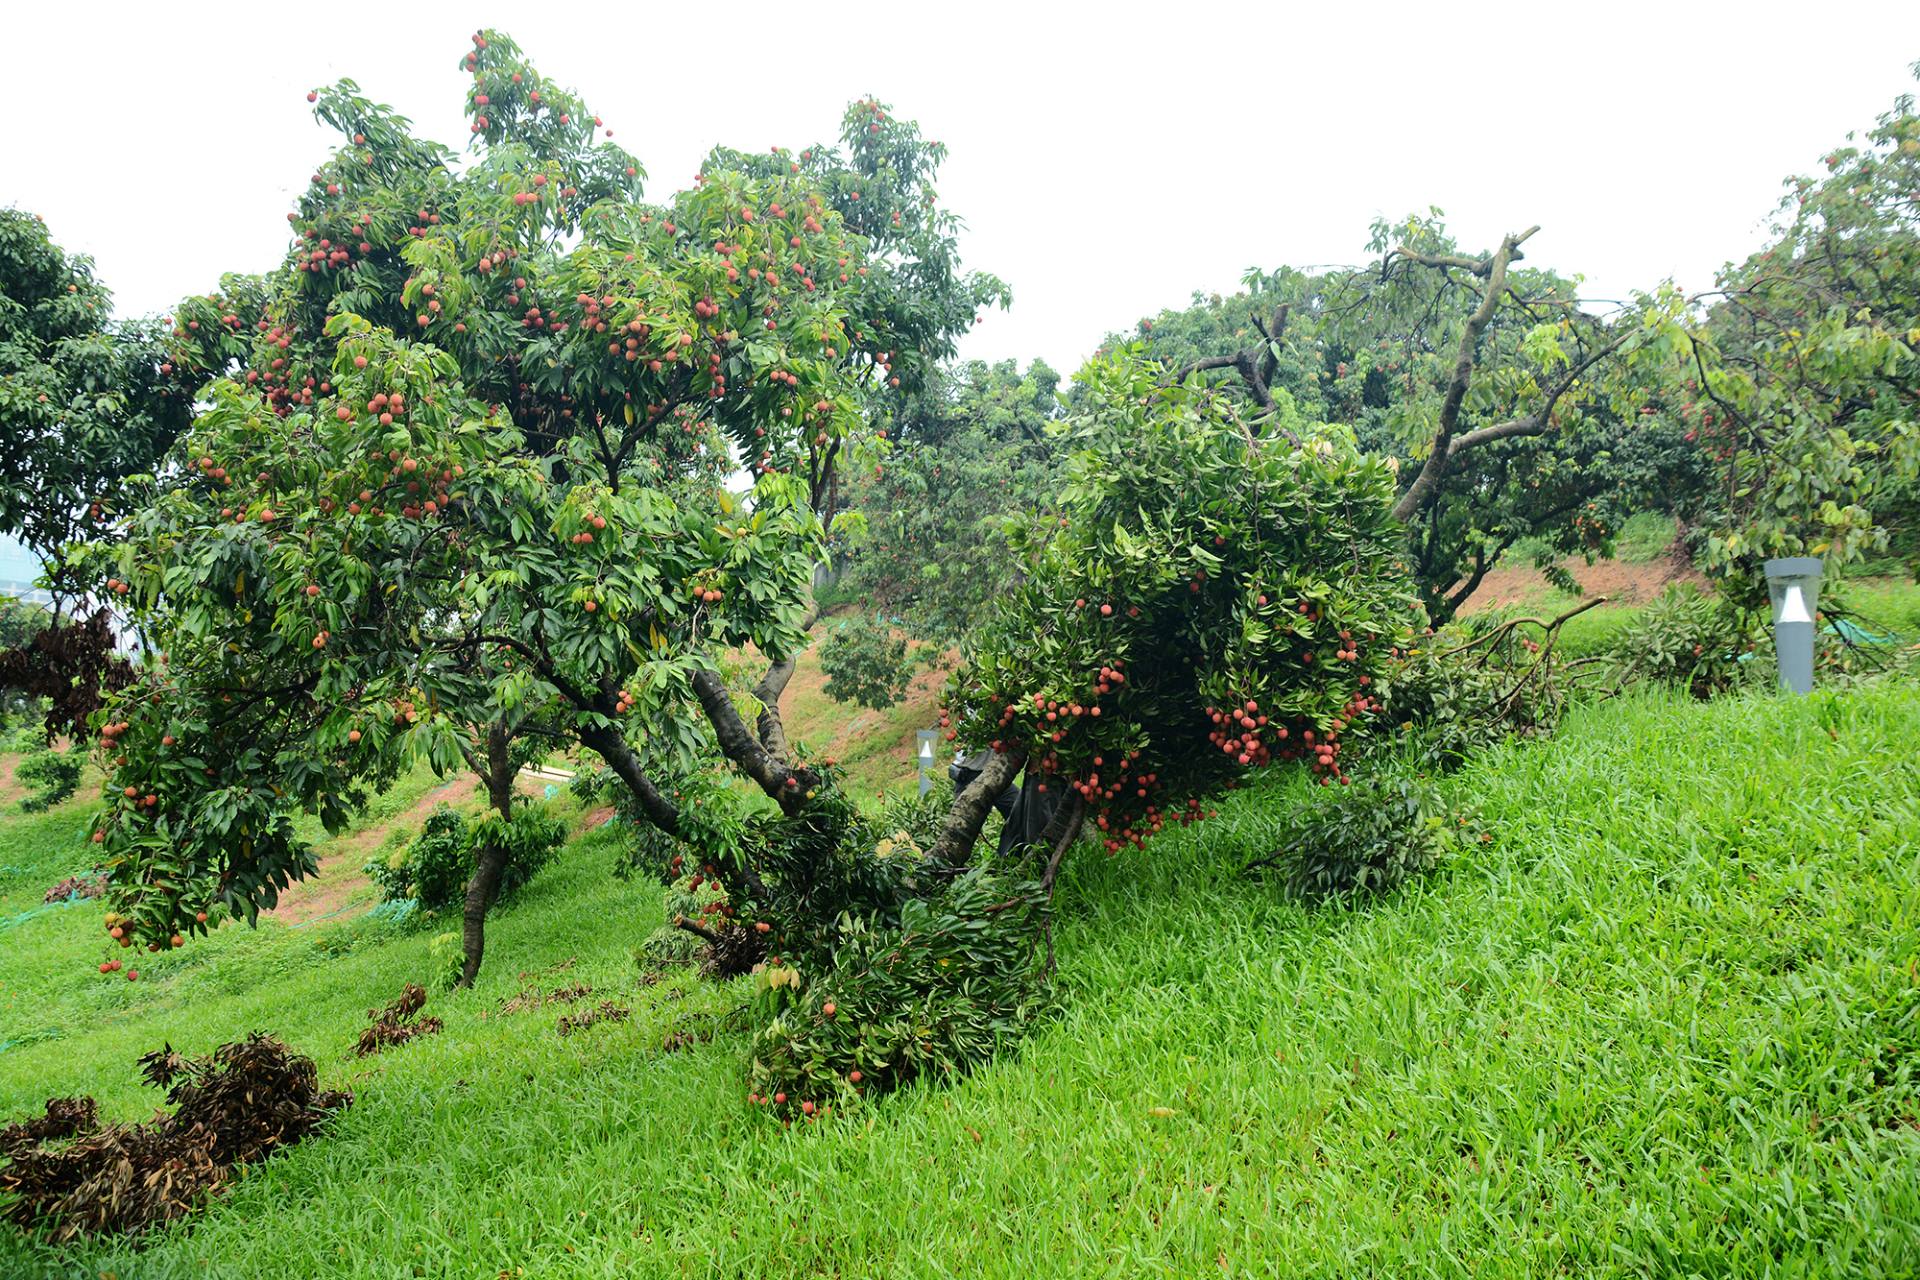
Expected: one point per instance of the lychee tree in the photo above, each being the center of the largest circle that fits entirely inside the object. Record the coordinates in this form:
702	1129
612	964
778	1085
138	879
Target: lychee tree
468	466
1801	389
1202	603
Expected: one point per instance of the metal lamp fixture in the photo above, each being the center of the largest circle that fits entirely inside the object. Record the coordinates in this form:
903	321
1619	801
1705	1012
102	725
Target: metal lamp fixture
1794	584
924	756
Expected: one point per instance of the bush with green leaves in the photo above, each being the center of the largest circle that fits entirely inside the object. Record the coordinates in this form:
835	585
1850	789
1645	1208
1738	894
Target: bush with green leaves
1478	681
930	993
866	662
434	868
1366	839
1699	641
53	775
694	897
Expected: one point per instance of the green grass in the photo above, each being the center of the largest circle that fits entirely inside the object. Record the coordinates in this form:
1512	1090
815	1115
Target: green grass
1664	1022
1646	536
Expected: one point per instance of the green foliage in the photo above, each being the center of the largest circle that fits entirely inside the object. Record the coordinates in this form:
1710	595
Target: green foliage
1801	391
932	993
1376	350
529	838
434	868
85	403
53	775
1366	839
445	960
713	816
21	621
1200	604
866	662
471	460
970	452
1698	641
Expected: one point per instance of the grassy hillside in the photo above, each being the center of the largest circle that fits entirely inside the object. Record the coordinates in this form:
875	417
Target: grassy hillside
875	748
1663	1022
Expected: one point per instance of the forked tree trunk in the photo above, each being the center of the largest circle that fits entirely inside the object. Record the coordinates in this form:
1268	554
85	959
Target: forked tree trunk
491	860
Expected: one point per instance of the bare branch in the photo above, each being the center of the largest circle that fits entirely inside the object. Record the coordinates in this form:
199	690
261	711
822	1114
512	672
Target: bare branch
1426	485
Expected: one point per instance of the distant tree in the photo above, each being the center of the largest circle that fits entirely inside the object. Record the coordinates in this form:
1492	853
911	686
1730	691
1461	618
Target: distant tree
1513	404
970	451
1802	386
85	405
84	402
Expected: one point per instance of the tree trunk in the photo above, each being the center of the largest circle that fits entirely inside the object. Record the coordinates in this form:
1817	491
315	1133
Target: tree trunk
621	759
961	829
491	860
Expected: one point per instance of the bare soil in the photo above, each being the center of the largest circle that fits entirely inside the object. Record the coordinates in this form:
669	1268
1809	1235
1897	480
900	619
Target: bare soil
1619	581
340	880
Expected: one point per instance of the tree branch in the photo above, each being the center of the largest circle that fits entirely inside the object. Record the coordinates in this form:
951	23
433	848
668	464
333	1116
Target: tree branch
787	786
969	811
1424	487
621	759
771	727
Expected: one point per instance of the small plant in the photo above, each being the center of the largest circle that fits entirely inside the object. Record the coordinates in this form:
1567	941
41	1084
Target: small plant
447	956
54	775
866	663
1366	839
1691	640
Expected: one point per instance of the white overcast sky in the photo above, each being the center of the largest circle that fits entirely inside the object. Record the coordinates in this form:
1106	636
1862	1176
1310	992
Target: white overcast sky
1108	159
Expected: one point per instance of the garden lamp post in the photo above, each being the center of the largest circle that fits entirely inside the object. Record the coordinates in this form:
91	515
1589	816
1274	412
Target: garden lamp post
1794	584
924	756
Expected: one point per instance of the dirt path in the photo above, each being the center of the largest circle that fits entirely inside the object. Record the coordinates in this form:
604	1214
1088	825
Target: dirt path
340	880
10	791
1618	581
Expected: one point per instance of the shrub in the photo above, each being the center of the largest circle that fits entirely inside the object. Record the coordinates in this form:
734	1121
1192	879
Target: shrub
1478	681
434	868
1366	839
1692	640
54	775
530	840
932	992
866	663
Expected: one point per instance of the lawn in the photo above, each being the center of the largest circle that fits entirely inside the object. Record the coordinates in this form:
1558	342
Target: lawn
1663	1021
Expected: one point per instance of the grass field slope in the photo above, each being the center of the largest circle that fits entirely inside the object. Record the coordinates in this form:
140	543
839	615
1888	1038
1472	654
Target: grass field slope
1663	1021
